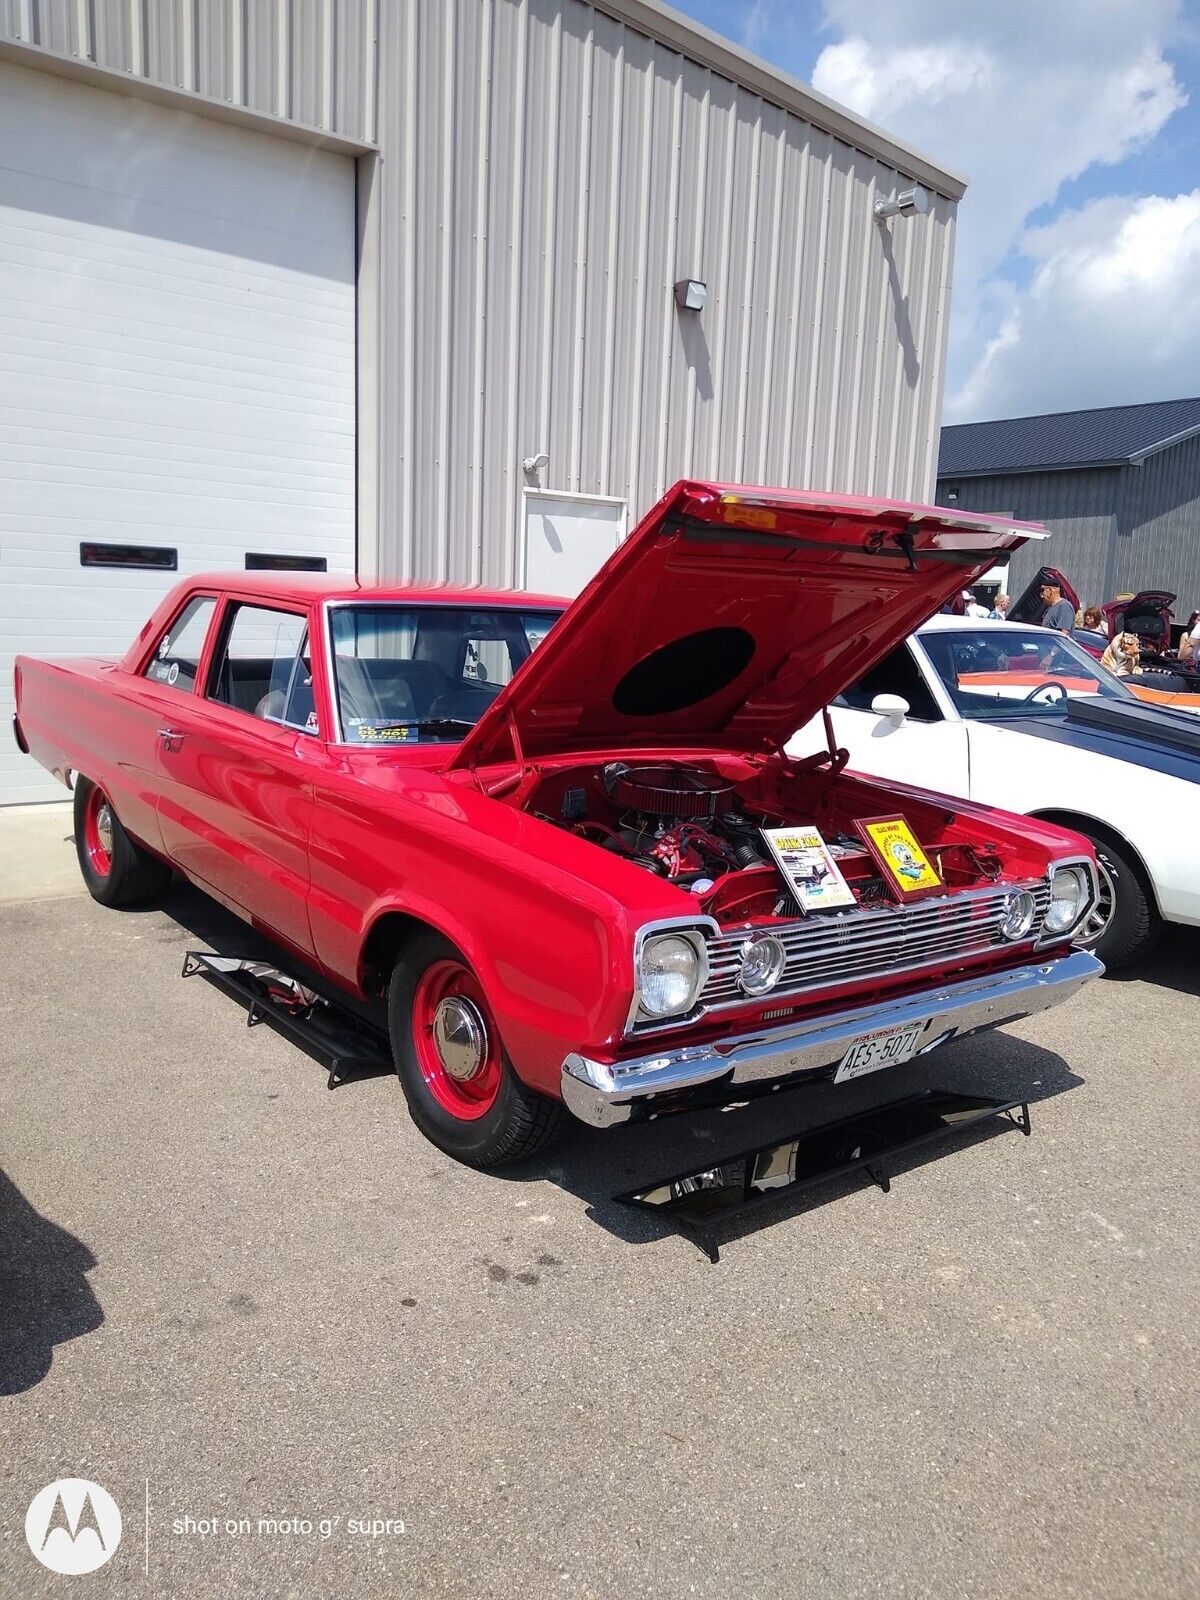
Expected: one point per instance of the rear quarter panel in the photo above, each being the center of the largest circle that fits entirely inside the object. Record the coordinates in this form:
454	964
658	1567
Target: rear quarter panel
89	716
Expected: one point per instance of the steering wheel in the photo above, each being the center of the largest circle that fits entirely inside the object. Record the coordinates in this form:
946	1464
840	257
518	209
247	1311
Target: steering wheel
1051	687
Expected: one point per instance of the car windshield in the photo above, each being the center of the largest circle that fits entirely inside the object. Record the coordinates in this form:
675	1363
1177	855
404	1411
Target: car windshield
1007	671
412	674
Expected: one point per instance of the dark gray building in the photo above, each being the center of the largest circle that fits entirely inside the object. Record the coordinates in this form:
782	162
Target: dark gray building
1118	487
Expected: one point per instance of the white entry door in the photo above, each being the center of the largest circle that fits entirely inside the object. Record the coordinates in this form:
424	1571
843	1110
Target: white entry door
568	538
177	365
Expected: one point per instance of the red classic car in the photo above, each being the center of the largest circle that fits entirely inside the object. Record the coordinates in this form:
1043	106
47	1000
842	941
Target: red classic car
559	848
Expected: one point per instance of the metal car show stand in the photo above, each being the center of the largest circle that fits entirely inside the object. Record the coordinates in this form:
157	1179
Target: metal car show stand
347	1047
699	1201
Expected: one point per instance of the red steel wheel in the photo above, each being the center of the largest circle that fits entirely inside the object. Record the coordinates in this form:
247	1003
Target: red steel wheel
98	831
456	1041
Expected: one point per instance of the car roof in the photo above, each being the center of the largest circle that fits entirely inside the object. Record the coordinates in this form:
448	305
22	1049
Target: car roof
308	586
944	623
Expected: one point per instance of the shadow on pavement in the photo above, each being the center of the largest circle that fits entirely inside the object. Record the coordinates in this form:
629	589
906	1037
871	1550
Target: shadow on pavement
1173	964
595	1166
45	1298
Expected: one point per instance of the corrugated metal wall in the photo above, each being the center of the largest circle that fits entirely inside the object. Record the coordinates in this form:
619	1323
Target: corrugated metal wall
1078	507
307	61
1163	510
548	173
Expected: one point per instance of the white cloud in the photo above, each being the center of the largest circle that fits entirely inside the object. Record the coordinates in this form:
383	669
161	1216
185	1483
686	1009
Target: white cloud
1111	312
1020	96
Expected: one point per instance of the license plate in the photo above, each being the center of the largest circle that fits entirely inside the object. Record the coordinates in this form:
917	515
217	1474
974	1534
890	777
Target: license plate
877	1051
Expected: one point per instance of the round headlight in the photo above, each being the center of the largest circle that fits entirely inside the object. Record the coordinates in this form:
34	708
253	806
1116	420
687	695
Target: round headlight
762	966
1069	895
668	975
1020	908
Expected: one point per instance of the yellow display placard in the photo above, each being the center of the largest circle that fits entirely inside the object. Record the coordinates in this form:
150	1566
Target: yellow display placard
902	861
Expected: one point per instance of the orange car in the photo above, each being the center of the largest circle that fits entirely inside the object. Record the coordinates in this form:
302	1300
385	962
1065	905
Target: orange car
1024	678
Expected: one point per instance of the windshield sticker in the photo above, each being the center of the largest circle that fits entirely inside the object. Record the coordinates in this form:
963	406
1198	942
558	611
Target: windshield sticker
903	863
368	732
805	860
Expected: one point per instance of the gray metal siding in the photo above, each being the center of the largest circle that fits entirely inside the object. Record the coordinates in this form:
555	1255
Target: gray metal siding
311	62
1163	548
1079	508
549	172
1115	529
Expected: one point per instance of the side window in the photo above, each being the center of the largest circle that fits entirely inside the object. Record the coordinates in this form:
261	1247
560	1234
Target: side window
487	661
263	667
898	674
176	658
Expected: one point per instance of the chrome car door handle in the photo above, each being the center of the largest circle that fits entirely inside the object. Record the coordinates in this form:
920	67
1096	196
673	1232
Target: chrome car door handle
171	738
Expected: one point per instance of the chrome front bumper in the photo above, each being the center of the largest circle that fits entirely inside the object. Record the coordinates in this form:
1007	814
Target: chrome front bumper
604	1093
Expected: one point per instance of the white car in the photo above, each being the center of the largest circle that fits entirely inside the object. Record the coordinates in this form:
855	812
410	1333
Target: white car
1025	719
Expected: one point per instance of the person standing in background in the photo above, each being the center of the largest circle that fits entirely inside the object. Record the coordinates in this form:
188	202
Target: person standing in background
999	612
1092	619
1189	645
1060	613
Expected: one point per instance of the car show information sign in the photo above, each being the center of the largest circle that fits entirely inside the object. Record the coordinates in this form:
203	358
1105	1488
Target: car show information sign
904	865
812	874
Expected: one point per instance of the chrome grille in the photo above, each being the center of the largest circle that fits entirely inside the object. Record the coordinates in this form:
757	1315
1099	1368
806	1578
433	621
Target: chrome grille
880	943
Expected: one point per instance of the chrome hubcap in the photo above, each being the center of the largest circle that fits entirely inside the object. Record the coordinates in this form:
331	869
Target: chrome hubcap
460	1037
104	828
1096	923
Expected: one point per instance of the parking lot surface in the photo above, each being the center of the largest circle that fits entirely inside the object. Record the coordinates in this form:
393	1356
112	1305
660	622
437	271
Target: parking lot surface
244	1304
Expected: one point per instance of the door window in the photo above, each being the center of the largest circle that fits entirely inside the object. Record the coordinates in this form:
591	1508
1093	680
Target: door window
176	659
263	667
898	674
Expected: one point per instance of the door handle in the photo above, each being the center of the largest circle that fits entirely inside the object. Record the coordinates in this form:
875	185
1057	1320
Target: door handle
171	738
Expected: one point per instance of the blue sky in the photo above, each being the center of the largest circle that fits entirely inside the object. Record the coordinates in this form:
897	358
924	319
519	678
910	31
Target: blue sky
1077	123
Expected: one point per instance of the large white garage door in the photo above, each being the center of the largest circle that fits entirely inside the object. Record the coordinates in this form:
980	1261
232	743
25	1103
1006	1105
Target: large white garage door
176	365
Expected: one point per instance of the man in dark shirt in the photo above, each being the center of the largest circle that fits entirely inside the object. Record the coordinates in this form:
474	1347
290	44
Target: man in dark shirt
1060	613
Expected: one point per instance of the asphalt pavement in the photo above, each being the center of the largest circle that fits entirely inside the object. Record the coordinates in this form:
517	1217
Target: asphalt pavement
309	1355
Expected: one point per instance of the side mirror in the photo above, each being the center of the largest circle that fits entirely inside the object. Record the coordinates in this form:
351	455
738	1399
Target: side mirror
891	706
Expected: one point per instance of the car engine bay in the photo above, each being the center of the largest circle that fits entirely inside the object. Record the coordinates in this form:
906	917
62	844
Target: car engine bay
701	828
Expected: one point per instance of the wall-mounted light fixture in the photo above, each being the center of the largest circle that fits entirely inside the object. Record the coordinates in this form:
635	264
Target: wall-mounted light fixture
690	294
907	203
532	464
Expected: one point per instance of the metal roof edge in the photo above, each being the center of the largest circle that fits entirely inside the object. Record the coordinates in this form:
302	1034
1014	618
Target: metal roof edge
81	70
1020	472
1138	456
701	44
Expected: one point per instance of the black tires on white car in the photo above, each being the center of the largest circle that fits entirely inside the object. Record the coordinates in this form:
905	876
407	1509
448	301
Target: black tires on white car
1125	924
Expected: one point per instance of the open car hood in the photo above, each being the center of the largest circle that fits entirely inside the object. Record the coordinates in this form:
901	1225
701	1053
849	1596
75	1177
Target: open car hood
1029	607
730	616
1145	603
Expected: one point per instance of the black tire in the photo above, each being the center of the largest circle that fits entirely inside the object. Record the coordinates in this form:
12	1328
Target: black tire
117	871
508	1123
1133	928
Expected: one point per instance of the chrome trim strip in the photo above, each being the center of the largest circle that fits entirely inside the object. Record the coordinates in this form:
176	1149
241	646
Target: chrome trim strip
604	1093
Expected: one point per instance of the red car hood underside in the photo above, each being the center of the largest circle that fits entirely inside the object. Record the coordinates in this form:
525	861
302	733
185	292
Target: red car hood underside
730	616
